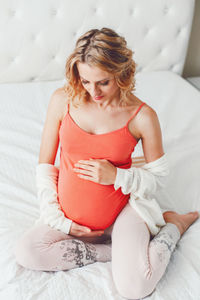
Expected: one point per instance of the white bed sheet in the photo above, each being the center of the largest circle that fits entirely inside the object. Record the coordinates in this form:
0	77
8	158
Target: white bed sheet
23	109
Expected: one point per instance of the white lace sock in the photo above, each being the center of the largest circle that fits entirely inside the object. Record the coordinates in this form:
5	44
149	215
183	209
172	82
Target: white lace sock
76	253
163	244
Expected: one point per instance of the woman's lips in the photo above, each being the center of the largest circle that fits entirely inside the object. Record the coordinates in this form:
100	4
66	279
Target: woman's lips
97	97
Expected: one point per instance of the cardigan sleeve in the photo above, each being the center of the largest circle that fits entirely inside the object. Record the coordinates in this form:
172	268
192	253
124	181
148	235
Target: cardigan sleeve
50	210
141	183
143	180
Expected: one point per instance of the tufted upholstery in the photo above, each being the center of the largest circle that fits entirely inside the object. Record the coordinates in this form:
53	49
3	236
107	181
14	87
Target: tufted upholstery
36	36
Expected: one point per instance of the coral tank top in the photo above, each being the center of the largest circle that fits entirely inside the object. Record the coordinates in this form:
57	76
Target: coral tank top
86	202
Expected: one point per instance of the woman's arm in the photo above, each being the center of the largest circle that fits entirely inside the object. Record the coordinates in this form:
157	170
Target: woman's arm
50	135
149	127
46	173
142	182
150	176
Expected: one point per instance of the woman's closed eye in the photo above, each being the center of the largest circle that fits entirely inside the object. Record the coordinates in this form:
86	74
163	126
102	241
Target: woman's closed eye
105	83
102	83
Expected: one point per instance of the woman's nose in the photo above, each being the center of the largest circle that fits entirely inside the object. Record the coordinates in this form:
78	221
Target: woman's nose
95	90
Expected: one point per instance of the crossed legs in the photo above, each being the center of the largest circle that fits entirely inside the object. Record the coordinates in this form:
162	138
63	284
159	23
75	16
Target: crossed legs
137	261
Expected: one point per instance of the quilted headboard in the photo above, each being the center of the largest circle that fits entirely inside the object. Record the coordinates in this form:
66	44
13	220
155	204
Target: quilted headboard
37	36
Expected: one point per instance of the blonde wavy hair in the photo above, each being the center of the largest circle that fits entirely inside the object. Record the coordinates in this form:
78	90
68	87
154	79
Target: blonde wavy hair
108	51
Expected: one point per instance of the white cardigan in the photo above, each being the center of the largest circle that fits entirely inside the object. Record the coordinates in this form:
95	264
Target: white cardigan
141	183
50	211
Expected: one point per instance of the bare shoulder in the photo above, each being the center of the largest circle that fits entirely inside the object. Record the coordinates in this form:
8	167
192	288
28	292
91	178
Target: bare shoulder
59	101
144	120
150	132
148	114
146	109
148	124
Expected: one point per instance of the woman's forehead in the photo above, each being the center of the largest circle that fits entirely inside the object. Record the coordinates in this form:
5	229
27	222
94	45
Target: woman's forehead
92	73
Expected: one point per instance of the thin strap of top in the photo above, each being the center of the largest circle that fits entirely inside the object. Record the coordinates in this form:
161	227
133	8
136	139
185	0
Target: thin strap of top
136	112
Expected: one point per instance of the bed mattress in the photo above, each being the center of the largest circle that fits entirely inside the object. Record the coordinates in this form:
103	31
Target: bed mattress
22	114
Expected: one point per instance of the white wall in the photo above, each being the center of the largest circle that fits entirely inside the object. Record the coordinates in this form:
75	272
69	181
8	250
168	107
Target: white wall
192	64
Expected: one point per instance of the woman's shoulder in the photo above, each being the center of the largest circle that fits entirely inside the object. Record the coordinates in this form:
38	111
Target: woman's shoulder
148	114
145	117
59	95
145	110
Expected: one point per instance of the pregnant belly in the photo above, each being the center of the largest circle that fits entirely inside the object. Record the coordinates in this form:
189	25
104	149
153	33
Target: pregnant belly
88	203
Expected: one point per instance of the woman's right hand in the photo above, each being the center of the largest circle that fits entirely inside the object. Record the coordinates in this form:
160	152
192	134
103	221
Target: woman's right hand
79	230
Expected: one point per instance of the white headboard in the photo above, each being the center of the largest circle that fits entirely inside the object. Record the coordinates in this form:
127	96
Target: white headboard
36	36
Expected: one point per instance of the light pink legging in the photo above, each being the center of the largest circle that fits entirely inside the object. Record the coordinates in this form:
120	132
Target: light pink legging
138	260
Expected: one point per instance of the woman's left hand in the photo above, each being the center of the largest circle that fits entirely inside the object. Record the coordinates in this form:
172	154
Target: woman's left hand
96	170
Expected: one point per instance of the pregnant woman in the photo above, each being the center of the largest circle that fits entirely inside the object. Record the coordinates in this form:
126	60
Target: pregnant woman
87	209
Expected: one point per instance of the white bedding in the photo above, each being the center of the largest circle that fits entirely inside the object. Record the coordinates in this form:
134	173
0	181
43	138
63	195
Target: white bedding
22	113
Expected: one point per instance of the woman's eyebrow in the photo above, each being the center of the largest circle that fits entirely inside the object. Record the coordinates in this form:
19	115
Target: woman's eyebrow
96	81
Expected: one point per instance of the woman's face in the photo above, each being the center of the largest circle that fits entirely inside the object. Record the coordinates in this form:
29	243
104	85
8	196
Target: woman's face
100	84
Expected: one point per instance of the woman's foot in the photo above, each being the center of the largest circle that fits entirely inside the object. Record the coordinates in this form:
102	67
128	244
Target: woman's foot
183	222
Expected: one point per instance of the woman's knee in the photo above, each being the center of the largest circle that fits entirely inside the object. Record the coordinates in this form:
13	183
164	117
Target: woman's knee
30	248
133	278
132	289
24	252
